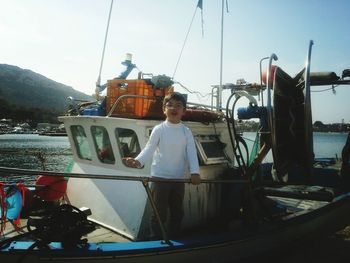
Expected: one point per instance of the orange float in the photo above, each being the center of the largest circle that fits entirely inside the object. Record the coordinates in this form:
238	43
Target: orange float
271	75
51	188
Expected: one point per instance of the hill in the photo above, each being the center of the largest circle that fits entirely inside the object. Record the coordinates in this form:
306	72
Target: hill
24	92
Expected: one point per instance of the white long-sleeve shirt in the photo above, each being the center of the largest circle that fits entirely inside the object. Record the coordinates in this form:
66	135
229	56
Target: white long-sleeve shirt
173	150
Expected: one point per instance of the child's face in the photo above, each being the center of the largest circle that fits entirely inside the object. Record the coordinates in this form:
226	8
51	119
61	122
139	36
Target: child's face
174	110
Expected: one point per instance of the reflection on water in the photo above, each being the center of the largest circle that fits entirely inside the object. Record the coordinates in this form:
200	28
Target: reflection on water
31	151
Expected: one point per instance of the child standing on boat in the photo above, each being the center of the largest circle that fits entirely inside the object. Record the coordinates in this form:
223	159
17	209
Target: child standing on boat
172	147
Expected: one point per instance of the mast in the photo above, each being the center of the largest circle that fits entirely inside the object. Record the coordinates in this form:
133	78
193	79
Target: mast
219	97
98	82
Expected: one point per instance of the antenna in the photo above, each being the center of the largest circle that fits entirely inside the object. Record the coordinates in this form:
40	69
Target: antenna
98	82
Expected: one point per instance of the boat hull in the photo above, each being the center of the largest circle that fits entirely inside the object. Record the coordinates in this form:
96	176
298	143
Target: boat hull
227	246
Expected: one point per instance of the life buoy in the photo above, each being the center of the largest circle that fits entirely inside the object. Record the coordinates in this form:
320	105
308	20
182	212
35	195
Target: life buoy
13	206
51	188
201	115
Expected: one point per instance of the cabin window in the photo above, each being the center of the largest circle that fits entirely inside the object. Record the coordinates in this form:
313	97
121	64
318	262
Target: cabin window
102	144
80	141
128	142
210	149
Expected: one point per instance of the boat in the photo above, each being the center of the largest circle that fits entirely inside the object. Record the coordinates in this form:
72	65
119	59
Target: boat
59	131
98	210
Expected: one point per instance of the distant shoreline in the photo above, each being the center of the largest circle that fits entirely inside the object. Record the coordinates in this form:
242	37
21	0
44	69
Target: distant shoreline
252	126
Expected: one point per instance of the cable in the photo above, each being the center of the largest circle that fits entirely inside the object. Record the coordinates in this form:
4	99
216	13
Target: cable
192	92
237	138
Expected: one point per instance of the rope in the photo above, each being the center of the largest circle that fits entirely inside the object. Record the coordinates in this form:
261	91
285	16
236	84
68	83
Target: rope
193	92
332	88
184	43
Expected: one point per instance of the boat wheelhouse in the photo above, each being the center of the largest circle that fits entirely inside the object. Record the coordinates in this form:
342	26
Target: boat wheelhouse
100	143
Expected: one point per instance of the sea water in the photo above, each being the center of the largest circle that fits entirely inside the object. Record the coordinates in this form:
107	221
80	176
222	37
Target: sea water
33	151
326	145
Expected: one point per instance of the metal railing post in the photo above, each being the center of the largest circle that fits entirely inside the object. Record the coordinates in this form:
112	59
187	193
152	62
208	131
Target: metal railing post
155	210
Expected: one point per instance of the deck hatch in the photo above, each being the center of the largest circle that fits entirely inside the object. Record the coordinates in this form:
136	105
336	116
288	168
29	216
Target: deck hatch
210	149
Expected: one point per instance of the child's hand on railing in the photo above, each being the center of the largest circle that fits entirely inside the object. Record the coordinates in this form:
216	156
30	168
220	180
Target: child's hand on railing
195	179
131	162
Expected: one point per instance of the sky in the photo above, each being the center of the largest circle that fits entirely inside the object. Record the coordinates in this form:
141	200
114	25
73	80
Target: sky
63	40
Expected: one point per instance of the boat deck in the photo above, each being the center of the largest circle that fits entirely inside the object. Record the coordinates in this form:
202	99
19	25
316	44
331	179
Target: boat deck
100	235
276	208
103	234
281	221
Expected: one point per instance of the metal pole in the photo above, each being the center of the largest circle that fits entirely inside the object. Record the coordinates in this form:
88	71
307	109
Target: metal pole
308	112
155	210
262	95
8	171
269	88
98	82
219	98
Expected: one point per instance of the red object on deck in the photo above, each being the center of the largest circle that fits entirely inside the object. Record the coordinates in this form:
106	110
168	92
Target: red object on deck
271	75
201	115
51	188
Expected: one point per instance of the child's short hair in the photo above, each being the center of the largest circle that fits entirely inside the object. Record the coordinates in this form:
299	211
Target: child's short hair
175	96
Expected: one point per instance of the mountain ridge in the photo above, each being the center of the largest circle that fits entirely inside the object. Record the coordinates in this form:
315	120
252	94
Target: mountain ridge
24	89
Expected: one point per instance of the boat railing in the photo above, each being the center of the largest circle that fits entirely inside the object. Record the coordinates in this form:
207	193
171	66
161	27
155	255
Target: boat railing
123	97
205	106
261	79
145	180
269	85
117	177
241	88
308	112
